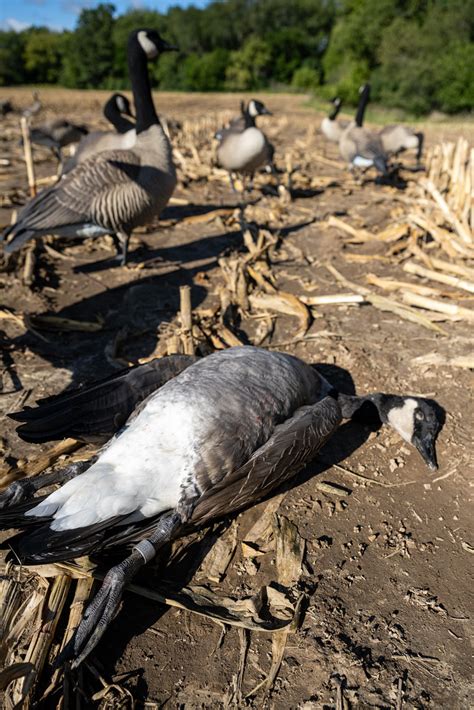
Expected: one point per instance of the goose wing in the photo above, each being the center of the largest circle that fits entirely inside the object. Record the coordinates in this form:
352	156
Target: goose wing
103	190
95	413
293	444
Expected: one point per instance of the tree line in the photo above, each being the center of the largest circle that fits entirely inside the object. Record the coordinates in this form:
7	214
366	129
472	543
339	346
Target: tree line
418	54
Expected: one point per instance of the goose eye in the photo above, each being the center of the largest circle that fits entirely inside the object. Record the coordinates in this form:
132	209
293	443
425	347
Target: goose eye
419	415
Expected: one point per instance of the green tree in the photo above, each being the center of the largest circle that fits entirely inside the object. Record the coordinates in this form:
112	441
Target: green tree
11	58
90	51
249	67
43	55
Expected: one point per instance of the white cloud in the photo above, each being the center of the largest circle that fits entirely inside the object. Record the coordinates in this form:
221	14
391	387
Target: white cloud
16	25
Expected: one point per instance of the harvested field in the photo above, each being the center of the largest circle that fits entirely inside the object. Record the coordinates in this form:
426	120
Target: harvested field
366	559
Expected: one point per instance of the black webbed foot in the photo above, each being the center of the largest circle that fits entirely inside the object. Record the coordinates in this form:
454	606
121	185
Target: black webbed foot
101	611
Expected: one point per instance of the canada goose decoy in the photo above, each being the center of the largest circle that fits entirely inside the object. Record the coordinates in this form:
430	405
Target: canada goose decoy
34	108
57	134
116	108
243	148
221	435
114	191
360	147
395	139
6	107
332	128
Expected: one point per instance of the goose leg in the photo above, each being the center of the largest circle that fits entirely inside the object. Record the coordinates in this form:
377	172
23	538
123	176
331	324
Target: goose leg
24	489
104	606
122	249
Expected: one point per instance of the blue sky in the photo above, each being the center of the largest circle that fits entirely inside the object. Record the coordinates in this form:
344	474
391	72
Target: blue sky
60	14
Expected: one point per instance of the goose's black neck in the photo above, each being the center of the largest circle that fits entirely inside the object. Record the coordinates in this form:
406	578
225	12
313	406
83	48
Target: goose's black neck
363	101
333	114
368	408
113	116
141	87
249	120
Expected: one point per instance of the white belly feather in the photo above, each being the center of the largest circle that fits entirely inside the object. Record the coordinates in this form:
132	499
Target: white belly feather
142	471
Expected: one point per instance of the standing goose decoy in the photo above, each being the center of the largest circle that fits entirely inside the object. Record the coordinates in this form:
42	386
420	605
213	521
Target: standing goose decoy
218	437
331	128
116	109
360	147
113	191
57	134
34	108
243	148
395	139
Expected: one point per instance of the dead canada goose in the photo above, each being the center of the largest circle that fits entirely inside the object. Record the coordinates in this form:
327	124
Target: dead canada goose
113	191
331	127
218	437
57	134
243	148
116	108
360	147
395	139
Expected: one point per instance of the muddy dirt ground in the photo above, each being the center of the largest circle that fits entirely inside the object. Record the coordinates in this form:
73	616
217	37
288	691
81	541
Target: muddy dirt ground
388	567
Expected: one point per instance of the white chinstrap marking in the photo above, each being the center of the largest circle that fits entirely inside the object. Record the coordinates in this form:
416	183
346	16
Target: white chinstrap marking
252	109
121	105
402	419
147	45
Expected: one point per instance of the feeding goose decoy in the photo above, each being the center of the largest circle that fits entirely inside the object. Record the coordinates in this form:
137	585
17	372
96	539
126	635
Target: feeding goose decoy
116	109
221	435
397	138
243	148
331	127
360	147
57	134
113	191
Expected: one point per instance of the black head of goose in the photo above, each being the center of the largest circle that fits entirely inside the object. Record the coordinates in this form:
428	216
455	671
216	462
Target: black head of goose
331	128
116	108
114	191
219	436
360	147
243	147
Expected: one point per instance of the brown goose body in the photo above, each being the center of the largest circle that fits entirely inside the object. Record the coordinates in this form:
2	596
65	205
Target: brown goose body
123	136
113	191
242	146
397	138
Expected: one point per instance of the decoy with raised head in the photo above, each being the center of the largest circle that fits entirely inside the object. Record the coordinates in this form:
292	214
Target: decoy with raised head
218	437
331	127
244	148
360	147
116	110
397	138
113	191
